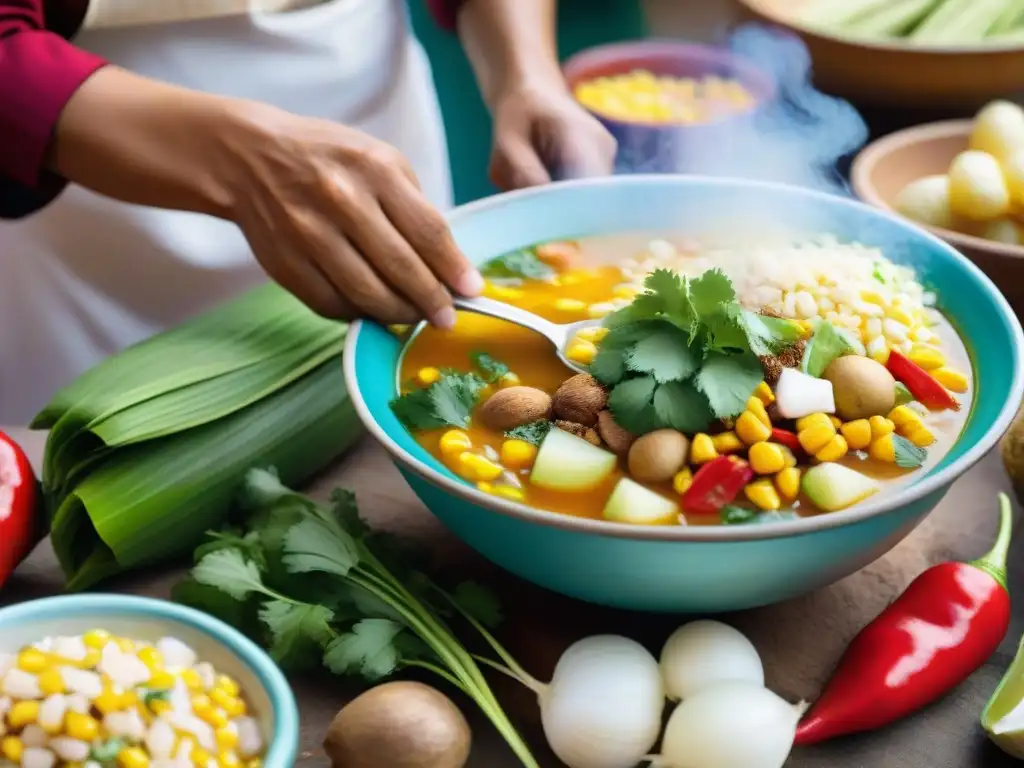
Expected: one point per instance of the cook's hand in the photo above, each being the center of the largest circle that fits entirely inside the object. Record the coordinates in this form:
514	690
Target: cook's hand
542	134
338	218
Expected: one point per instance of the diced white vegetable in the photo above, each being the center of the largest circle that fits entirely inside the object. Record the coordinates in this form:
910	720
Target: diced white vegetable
926	201
70	648
36	757
70	750
192	724
704	653
160	739
207	674
7	662
569	463
51	712
34	736
250	740
19	684
124	669
631	502
977	187
82	681
798	395
833	486
127	725
175	653
179	699
78	703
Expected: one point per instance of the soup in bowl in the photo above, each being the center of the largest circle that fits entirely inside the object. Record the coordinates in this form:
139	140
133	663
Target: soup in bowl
769	402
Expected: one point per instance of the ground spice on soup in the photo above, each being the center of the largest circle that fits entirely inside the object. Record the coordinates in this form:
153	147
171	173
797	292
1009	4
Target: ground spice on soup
580	430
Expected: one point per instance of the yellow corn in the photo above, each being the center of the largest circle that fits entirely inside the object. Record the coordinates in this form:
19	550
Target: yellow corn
12	748
727	442
125	644
151	657
452	443
570	305
133	757
762	494
951	379
485	487
51	681
904	418
872	297
928	358
857	434
764	393
398	329
788	483
751	429
767	458
836	422
33	660
682	481
79	726
427	376
582	352
479	468
816	436
509	380
191	680
23	713
228	759
503	292
593	333
227	738
881	426
921	436
161	680
702	449
788	454
756	407
814	418
834	450
509	492
200	756
883	449
900	315
225	701
518	453
254	763
96	638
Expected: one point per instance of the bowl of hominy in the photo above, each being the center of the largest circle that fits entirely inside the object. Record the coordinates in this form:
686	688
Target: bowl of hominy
140	683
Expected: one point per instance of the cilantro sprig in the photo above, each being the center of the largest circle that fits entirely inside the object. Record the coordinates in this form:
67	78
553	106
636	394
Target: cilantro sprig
517	265
684	353
320	588
448	402
534	432
491	368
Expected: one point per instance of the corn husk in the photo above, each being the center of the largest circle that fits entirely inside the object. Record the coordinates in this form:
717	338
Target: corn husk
146	450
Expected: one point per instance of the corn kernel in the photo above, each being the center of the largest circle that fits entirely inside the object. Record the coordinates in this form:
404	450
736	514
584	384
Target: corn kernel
951	379
682	481
762	494
452	443
509	492
503	292
814	418
601	309
921	436
96	638
764	393
788	483
900	315
883	449
33	660
398	329
161	680
191	680
751	429
427	376
767	458
928	358
834	450
227	738
125	644
509	380
479	468
151	657
23	713
254	763
857	434
228	759
570	305
133	757
593	333
815	437
788	454
485	487
51	681
881	426
109	700
624	292
518	453
756	406
12	748
836	422
702	449
903	417
200	756
872	297
79	726
727	442
582	352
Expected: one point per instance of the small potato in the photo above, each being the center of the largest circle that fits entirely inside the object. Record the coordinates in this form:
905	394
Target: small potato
862	387
999	129
926	201
657	456
1001	231
977	187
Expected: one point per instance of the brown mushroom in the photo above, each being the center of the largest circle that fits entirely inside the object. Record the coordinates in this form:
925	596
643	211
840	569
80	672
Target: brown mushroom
399	725
514	406
580	399
657	456
580	430
615	437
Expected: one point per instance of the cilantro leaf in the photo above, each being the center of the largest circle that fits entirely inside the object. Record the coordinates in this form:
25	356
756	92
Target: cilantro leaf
230	572
769	335
903	395
106	752
724	330
665	354
317	546
447	402
153	695
733	515
826	345
609	365
908	455
631	405
248	544
682	407
710	292
672	293
492	369
523	265
534	432
346	513
368	650
728	381
478	602
298	631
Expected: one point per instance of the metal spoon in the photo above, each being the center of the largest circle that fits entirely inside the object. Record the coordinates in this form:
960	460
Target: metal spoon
558	334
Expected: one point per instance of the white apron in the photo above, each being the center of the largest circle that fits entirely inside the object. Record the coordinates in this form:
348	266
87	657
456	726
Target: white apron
86	276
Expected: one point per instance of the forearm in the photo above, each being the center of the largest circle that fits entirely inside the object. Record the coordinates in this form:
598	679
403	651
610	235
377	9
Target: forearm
510	44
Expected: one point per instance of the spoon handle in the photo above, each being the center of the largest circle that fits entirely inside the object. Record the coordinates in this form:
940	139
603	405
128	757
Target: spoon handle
502	311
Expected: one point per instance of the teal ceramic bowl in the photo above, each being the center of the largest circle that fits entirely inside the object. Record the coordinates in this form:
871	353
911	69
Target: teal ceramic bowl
263	684
697	569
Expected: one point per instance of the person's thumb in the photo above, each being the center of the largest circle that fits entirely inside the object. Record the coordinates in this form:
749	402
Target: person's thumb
515	163
579	157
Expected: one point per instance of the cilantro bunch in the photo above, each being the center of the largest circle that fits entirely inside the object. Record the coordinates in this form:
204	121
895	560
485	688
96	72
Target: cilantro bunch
320	588
684	353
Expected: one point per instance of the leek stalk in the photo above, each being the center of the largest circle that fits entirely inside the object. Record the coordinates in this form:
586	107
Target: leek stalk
959	21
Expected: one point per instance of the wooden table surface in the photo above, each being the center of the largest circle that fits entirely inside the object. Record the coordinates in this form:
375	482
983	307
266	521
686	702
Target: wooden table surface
799	640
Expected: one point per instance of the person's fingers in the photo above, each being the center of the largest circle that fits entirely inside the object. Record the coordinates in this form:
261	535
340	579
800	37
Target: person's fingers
304	280
515	163
576	151
425	229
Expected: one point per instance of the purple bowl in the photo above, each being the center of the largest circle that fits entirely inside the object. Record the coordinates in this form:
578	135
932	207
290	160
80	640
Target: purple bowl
661	148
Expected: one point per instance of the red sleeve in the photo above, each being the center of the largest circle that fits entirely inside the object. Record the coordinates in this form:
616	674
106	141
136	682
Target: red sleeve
445	11
39	72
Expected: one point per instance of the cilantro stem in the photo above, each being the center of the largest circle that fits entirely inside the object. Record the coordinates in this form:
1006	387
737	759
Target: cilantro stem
437	671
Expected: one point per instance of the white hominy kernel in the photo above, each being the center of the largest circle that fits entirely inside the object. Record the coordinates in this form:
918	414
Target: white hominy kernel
34	736
7	662
826	304
160	739
70	648
51	713
876	346
78	703
72	750
805	305
921	335
491	453
250	741
928	299
849	321
867	309
124	669
511	479
789	305
207	674
5	706
176	654
600	309
19	684
46	644
906	346
82	681
35	757
918	408
873	327
127	725
894	330
192	724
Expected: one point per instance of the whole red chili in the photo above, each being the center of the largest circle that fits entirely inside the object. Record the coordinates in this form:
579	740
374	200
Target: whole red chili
947	623
716	484
922	385
786	438
20	528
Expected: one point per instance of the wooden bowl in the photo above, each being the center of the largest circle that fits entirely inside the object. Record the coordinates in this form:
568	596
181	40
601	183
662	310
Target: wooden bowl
886	166
896	74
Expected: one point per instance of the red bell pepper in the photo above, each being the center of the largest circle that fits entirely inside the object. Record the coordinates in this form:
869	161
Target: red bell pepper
947	623
716	484
20	526
786	438
922	385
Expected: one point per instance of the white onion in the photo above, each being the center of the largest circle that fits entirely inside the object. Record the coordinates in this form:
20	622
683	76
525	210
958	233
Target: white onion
604	705
703	653
731	725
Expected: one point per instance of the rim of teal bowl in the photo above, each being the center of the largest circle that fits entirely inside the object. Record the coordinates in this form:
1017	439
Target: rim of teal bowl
284	744
932	482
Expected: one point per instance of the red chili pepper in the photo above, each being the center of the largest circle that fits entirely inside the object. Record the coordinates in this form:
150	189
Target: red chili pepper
922	385
787	438
20	528
716	484
946	625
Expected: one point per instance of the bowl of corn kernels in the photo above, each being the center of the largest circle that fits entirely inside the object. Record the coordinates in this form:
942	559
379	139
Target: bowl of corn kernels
668	104
98	680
